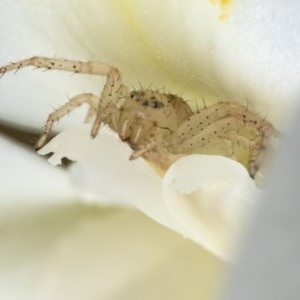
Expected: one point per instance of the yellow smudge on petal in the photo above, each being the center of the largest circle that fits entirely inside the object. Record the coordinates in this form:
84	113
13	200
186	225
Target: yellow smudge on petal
130	13
142	22
224	8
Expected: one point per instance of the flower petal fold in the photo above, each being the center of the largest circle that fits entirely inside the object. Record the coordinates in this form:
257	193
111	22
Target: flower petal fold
212	197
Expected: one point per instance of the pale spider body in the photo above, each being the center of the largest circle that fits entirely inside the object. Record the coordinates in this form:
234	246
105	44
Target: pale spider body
144	113
158	126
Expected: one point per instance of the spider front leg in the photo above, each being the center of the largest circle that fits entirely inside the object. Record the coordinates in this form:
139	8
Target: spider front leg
108	115
156	149
74	102
90	67
156	141
111	93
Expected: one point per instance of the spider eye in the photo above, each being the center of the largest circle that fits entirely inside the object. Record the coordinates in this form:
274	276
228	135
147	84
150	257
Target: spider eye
154	103
132	95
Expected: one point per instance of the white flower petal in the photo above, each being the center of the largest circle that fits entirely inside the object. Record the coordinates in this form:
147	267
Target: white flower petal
27	182
199	48
247	50
211	196
79	252
119	179
29	96
251	55
205	198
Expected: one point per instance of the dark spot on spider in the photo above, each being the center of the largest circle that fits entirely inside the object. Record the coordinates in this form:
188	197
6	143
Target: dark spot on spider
74	66
207	117
52	63
203	139
154	103
132	95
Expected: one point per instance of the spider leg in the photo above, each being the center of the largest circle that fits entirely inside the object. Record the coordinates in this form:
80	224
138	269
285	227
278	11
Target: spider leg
255	150
108	115
222	110
90	114
73	103
90	67
143	125
112	87
143	150
157	142
227	129
112	92
206	135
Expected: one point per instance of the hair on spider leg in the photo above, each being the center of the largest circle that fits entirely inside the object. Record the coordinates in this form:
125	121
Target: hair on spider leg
141	88
160	90
149	87
2	74
204	103
133	88
18	69
44	70
264	115
197	107
247	103
189	102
